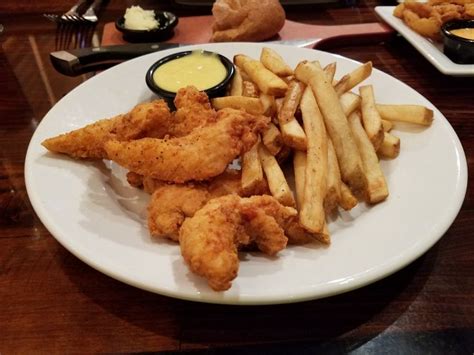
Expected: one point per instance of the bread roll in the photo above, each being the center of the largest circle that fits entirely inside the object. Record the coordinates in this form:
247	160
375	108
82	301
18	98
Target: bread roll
246	20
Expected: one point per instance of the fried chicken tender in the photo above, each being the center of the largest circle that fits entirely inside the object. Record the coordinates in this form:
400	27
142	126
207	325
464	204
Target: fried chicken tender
200	155
144	120
170	204
193	110
210	240
293	230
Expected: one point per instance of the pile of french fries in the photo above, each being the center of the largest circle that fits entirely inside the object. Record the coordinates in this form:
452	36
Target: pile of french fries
336	136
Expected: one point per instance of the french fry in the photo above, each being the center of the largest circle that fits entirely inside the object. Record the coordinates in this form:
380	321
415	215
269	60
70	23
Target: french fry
249	89
279	103
330	71
290	102
333	193
269	106
370	116
272	139
376	185
347	201
252	180
324	236
387	125
299	169
239	61
244	75
355	77
276	179
236	84
274	62
349	102
312	215
348	156
268	82
390	147
293	135
252	105
406	113
341	83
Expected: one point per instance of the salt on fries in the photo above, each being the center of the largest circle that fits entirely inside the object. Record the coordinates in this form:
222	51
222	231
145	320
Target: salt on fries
337	135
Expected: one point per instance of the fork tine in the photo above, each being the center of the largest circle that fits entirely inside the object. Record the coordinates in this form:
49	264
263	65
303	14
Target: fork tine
85	34
68	30
51	17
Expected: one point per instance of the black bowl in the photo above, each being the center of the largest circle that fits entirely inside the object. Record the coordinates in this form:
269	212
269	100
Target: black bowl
460	50
167	22
215	91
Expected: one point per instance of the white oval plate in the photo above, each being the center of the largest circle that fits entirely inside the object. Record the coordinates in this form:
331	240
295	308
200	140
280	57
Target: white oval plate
432	51
90	209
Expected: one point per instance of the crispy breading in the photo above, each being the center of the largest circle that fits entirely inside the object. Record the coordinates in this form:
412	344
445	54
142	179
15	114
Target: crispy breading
144	120
202	154
210	239
170	204
193	110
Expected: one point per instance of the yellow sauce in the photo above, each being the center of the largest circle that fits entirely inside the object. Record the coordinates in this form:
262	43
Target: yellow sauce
199	69
467	33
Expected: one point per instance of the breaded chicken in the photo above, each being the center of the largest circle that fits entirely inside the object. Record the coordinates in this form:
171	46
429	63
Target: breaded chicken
170	204
193	110
210	240
293	230
144	120
201	155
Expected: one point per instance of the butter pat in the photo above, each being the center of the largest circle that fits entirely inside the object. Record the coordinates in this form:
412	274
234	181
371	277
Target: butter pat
138	19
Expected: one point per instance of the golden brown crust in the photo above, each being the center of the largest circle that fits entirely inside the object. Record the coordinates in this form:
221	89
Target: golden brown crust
200	155
149	119
210	239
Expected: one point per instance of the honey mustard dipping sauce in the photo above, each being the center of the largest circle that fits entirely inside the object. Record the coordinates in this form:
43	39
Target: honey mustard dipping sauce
467	32
203	70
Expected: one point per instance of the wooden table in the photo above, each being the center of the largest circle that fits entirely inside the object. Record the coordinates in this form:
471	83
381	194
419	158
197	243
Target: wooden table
52	302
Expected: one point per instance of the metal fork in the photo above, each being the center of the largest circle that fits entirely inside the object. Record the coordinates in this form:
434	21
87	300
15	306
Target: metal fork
90	14
74	35
74	30
72	15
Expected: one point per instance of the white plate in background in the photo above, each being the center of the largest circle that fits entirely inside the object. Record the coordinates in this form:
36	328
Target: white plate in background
432	51
92	211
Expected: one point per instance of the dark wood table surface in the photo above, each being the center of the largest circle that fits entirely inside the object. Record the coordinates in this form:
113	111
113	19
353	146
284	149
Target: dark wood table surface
52	302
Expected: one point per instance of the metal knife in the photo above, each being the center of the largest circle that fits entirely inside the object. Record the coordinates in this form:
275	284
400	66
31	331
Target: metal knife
79	61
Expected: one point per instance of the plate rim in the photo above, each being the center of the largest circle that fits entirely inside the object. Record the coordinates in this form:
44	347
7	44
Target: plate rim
368	277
